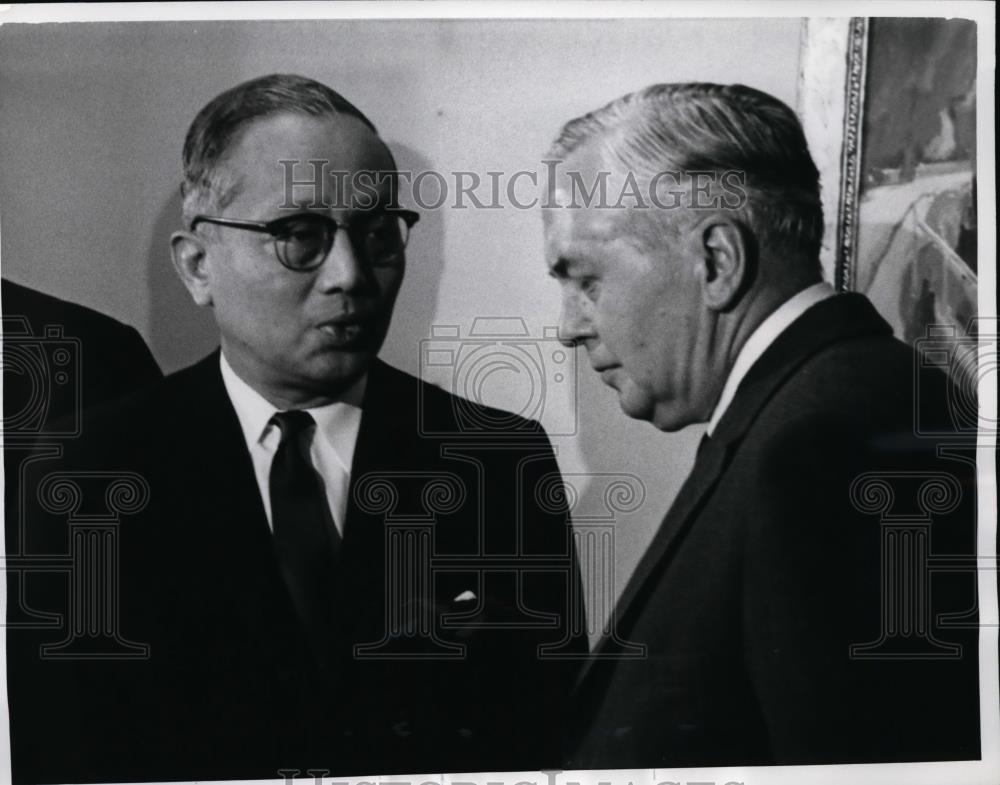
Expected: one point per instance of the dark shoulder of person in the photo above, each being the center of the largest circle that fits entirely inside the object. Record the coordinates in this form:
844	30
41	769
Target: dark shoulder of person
445	415
61	358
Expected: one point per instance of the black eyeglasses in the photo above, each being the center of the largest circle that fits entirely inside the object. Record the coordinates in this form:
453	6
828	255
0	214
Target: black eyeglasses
303	241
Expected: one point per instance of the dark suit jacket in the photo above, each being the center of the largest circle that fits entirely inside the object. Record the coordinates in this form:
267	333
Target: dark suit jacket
59	358
105	359
230	688
769	567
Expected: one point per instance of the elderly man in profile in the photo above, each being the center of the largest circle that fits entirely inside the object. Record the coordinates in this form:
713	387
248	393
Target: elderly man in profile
765	601
278	611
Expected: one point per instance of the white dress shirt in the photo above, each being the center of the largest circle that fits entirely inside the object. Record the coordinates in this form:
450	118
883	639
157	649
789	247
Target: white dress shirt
331	449
761	338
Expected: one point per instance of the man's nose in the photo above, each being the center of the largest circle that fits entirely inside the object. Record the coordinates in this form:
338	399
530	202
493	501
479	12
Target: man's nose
574	321
344	268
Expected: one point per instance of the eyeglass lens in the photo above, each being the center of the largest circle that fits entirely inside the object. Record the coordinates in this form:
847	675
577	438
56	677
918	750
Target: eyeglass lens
304	242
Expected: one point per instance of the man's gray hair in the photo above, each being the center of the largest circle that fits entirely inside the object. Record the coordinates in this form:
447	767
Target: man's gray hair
219	125
703	127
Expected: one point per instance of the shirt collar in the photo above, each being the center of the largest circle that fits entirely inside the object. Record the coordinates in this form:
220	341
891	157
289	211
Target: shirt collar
339	421
761	338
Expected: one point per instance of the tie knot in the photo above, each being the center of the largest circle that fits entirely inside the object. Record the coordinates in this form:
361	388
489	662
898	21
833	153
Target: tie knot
292	423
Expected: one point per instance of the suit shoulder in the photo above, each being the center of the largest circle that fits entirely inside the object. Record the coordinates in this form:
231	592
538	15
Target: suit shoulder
445	413
860	376
43	310
866	402
106	358
135	423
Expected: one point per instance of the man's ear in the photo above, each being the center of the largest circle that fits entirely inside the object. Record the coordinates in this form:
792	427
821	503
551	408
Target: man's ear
727	254
188	252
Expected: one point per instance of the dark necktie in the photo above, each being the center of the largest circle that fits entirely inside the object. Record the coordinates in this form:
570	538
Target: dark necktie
306	542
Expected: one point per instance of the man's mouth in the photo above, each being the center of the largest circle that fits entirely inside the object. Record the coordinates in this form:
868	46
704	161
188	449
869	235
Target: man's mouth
607	374
345	333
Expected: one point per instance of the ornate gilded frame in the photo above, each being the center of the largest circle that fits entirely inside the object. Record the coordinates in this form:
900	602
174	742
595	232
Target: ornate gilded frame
830	103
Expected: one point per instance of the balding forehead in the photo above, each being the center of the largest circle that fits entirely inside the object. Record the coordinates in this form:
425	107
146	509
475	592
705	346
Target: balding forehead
592	174
586	161
300	160
295	137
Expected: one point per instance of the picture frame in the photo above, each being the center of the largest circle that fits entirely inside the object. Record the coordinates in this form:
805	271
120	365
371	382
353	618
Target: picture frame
888	105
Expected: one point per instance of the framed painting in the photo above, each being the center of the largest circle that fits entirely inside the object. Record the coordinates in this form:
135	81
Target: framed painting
889	107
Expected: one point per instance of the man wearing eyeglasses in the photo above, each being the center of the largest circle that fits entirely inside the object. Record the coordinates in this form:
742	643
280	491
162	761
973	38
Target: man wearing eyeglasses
311	573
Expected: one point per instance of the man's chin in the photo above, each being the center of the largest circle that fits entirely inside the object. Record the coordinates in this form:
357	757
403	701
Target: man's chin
663	417
635	406
337	372
671	419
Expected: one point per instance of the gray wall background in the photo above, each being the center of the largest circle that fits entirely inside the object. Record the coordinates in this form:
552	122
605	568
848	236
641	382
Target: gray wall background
92	118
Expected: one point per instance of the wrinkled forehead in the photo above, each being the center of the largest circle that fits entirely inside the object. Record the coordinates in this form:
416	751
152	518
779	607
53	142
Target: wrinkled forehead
591	235
594	198
592	176
591	202
579	173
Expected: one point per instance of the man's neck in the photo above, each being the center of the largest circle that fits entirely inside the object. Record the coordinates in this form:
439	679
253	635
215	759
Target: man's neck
766	330
759	303
286	398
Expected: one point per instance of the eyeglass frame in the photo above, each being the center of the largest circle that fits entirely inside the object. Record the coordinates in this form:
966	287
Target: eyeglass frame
409	217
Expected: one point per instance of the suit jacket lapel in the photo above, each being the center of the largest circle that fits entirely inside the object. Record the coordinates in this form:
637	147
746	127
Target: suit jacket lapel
839	318
229	499
224	490
224	459
380	436
384	442
704	474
